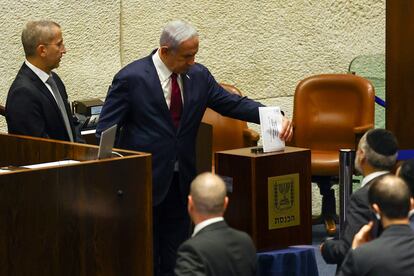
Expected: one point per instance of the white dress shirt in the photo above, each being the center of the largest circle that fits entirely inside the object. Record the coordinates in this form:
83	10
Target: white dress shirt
371	176
164	74
43	76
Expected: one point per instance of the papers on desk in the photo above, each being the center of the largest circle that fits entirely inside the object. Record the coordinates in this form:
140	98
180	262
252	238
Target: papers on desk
271	124
35	166
50	164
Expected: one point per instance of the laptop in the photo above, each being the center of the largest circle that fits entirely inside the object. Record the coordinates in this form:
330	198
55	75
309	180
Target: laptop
107	142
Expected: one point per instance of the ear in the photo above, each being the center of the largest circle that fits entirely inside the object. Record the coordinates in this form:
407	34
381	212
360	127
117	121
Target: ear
226	202
190	204
164	50
41	50
376	208
412	203
361	155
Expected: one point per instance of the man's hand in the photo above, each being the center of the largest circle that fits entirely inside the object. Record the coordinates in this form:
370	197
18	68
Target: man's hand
286	133
363	236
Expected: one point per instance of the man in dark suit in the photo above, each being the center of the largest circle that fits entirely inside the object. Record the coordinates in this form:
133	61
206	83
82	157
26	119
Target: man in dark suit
376	156
37	103
406	172
158	103
215	249
392	253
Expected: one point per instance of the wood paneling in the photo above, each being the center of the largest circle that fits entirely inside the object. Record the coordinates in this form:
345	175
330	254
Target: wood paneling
400	70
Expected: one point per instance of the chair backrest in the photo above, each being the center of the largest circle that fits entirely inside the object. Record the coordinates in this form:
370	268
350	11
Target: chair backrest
228	133
328	109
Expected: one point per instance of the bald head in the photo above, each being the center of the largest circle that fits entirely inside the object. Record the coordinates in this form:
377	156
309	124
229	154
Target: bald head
392	196
208	193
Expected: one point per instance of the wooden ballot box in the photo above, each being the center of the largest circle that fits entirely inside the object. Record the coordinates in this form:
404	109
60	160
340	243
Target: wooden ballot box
81	217
270	195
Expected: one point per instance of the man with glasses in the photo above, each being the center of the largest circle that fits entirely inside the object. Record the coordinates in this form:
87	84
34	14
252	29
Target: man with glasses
37	103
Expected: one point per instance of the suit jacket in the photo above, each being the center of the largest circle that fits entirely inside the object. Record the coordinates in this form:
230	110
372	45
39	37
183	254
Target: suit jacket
217	250
411	218
358	214
137	104
390	254
32	110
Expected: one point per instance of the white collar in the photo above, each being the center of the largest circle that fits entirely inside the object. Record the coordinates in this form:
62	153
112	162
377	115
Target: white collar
205	223
163	72
371	176
39	72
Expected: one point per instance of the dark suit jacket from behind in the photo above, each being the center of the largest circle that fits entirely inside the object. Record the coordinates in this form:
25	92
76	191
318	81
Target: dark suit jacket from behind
137	104
357	215
32	110
217	250
390	254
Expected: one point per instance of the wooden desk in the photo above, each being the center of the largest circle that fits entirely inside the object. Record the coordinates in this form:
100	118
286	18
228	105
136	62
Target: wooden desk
266	189
89	218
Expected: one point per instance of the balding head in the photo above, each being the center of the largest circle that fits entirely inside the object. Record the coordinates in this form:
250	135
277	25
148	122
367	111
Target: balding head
208	194
392	196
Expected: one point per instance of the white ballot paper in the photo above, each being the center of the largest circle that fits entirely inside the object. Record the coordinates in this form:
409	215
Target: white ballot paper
271	125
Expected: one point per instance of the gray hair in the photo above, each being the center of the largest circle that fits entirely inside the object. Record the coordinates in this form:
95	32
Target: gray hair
175	32
35	33
376	160
208	192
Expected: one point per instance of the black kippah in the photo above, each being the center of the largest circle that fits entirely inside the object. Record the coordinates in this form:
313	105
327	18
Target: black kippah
382	141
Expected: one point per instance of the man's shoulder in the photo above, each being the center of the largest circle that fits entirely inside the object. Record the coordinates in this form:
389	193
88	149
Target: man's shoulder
360	195
136	67
220	231
198	69
23	83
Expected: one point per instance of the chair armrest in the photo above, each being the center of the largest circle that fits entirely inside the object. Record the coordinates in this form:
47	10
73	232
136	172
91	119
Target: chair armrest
250	137
360	130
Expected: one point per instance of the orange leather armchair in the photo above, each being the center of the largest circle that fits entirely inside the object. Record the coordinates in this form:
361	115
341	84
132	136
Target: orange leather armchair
331	112
229	133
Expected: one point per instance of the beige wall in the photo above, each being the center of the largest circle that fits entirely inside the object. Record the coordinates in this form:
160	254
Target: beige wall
263	47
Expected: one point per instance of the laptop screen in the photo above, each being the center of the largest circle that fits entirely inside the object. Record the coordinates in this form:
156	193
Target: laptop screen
107	142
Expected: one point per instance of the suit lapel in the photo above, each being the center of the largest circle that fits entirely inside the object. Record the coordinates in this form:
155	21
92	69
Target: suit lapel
155	88
187	87
42	88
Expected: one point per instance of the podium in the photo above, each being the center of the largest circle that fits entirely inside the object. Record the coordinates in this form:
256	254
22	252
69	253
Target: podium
93	217
269	195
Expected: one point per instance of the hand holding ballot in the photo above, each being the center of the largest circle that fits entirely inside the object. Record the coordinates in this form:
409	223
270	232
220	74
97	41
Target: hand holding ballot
286	133
275	128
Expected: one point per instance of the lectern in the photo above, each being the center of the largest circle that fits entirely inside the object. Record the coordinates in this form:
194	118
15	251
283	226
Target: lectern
270	195
92	217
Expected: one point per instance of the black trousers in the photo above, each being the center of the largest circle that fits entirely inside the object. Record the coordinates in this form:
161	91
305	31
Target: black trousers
171	227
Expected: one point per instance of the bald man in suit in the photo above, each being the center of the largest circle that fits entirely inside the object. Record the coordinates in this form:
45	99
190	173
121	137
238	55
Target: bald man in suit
215	249
392	253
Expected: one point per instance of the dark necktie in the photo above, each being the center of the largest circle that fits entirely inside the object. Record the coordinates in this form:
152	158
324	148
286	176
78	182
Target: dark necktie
176	104
61	105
